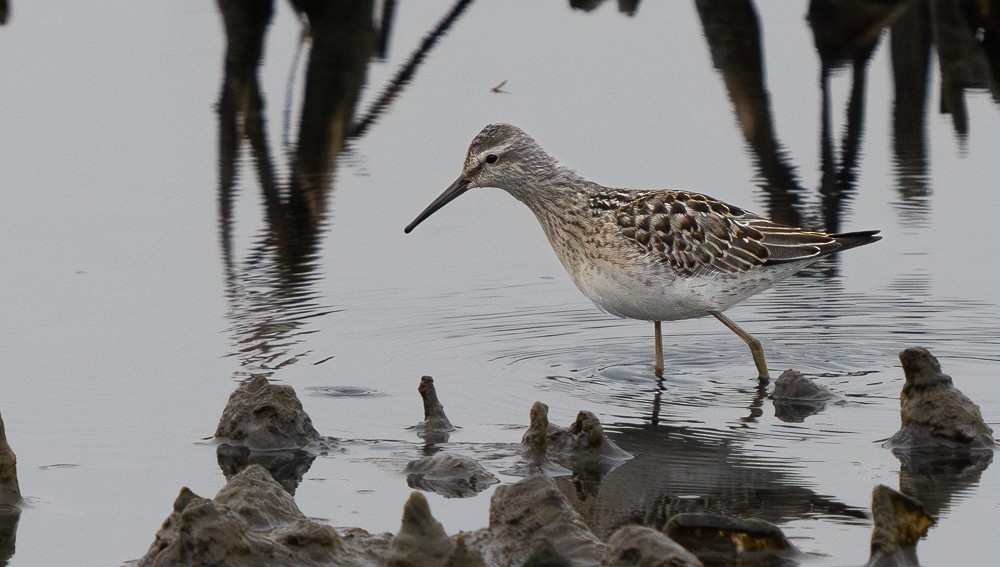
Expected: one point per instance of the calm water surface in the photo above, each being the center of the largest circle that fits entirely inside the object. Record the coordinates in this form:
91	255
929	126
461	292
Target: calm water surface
175	220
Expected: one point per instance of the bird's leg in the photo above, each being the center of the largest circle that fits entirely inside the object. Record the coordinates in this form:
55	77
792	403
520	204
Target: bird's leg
756	349
658	367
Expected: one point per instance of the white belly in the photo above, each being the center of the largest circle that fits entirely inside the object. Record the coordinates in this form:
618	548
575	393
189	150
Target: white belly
659	295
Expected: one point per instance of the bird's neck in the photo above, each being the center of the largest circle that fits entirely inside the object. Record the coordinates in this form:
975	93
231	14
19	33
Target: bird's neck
558	188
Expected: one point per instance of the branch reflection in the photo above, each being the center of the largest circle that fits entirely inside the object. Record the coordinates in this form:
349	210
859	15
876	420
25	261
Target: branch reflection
846	35
271	292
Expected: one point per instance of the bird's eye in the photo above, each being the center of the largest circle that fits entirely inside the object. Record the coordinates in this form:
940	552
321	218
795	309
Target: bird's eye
492	158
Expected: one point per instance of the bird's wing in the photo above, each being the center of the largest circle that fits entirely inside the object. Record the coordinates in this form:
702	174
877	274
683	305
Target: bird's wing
694	233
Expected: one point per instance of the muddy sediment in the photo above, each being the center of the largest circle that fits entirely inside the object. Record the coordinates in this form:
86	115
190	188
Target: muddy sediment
584	438
265	424
254	519
266	417
900	521
10	490
645	547
934	413
421	541
450	475
793	386
797	397
715	538
943	444
582	451
436	426
10	498
532	512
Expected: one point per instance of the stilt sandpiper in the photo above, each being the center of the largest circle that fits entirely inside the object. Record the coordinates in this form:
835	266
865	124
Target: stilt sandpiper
653	255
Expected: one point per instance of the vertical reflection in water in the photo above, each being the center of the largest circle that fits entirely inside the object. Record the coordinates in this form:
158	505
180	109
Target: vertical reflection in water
245	23
845	34
405	74
628	7
986	19
343	42
911	47
966	36
385	29
733	35
963	63
756	406
271	292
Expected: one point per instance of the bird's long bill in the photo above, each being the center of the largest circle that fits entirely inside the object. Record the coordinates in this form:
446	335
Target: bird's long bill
461	185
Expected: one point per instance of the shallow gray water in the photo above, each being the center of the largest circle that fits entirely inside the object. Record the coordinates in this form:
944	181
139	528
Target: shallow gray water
151	262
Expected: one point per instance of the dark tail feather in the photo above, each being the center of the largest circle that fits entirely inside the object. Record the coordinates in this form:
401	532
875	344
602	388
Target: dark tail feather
854	239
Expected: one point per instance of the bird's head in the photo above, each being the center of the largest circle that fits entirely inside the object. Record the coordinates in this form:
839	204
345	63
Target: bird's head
502	156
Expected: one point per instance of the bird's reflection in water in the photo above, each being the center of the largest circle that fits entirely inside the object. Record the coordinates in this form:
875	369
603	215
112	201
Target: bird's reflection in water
755	407
684	469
